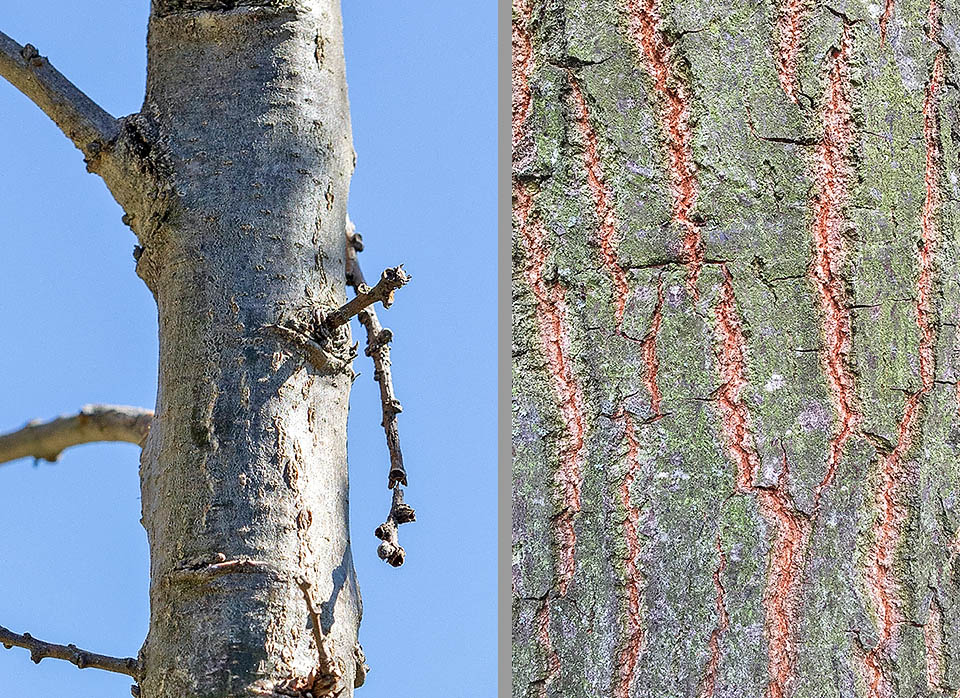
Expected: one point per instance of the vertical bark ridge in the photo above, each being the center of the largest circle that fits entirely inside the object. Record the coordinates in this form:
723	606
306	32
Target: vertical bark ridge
602	201
522	57
629	654
709	686
645	27
883	588
543	635
555	340
648	348
791	25
781	597
933	645
831	176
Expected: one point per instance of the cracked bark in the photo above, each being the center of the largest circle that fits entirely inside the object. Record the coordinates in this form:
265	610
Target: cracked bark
734	235
234	177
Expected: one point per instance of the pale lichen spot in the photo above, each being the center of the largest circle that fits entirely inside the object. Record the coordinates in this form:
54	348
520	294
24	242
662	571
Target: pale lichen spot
775	383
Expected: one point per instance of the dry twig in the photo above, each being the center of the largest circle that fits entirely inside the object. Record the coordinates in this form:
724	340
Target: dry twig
70	653
378	349
47	440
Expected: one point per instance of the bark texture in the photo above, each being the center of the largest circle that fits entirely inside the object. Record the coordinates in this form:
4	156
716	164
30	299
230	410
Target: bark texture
244	472
736	408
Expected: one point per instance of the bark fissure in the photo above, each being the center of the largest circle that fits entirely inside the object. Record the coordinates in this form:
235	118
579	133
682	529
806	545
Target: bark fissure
602	202
786	563
630	652
645	27
709	684
554	337
831	176
791	26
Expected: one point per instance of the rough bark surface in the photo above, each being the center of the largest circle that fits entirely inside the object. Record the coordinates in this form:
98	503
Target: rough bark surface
736	396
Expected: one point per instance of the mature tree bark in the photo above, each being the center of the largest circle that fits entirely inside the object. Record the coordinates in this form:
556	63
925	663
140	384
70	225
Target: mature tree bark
736	301
234	177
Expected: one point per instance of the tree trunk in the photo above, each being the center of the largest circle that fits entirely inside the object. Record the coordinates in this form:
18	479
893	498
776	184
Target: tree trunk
242	156
736	417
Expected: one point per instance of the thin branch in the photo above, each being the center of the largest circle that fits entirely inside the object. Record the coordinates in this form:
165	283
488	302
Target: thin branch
47	440
325	680
400	513
391	279
378	349
70	653
81	119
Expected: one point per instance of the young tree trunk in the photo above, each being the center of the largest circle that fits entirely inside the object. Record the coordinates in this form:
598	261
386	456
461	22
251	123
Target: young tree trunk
244	472
736	359
234	176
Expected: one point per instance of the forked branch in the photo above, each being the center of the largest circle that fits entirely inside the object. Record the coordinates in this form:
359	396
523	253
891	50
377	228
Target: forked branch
47	440
81	119
378	349
70	653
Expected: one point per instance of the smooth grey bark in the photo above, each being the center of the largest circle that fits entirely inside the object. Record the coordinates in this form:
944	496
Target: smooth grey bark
234	177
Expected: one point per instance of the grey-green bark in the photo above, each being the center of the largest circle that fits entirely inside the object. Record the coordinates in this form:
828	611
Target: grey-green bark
677	528
234	176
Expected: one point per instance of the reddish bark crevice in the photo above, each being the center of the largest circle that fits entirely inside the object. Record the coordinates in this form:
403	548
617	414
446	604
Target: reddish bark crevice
522	64
790	28
882	585
645	26
831	175
885	18
733	412
630	653
791	528
551	318
602	202
709	684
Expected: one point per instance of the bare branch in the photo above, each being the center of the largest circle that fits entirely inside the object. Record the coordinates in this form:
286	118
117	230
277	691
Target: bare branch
378	349
400	513
70	653
47	440
81	119
391	279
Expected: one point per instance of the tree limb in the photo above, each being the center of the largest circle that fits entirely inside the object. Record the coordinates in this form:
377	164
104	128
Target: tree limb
81	119
70	653
47	440
391	279
378	349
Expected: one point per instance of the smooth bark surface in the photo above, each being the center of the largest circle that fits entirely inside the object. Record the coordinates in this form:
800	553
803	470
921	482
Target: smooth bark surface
735	301
246	460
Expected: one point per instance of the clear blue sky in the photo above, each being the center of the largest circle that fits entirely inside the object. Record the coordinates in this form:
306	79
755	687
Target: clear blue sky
78	326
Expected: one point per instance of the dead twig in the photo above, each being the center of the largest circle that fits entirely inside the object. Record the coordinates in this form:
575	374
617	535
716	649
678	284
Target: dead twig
47	440
83	659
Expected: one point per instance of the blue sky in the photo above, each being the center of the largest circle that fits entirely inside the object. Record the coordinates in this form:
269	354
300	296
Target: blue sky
78	326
